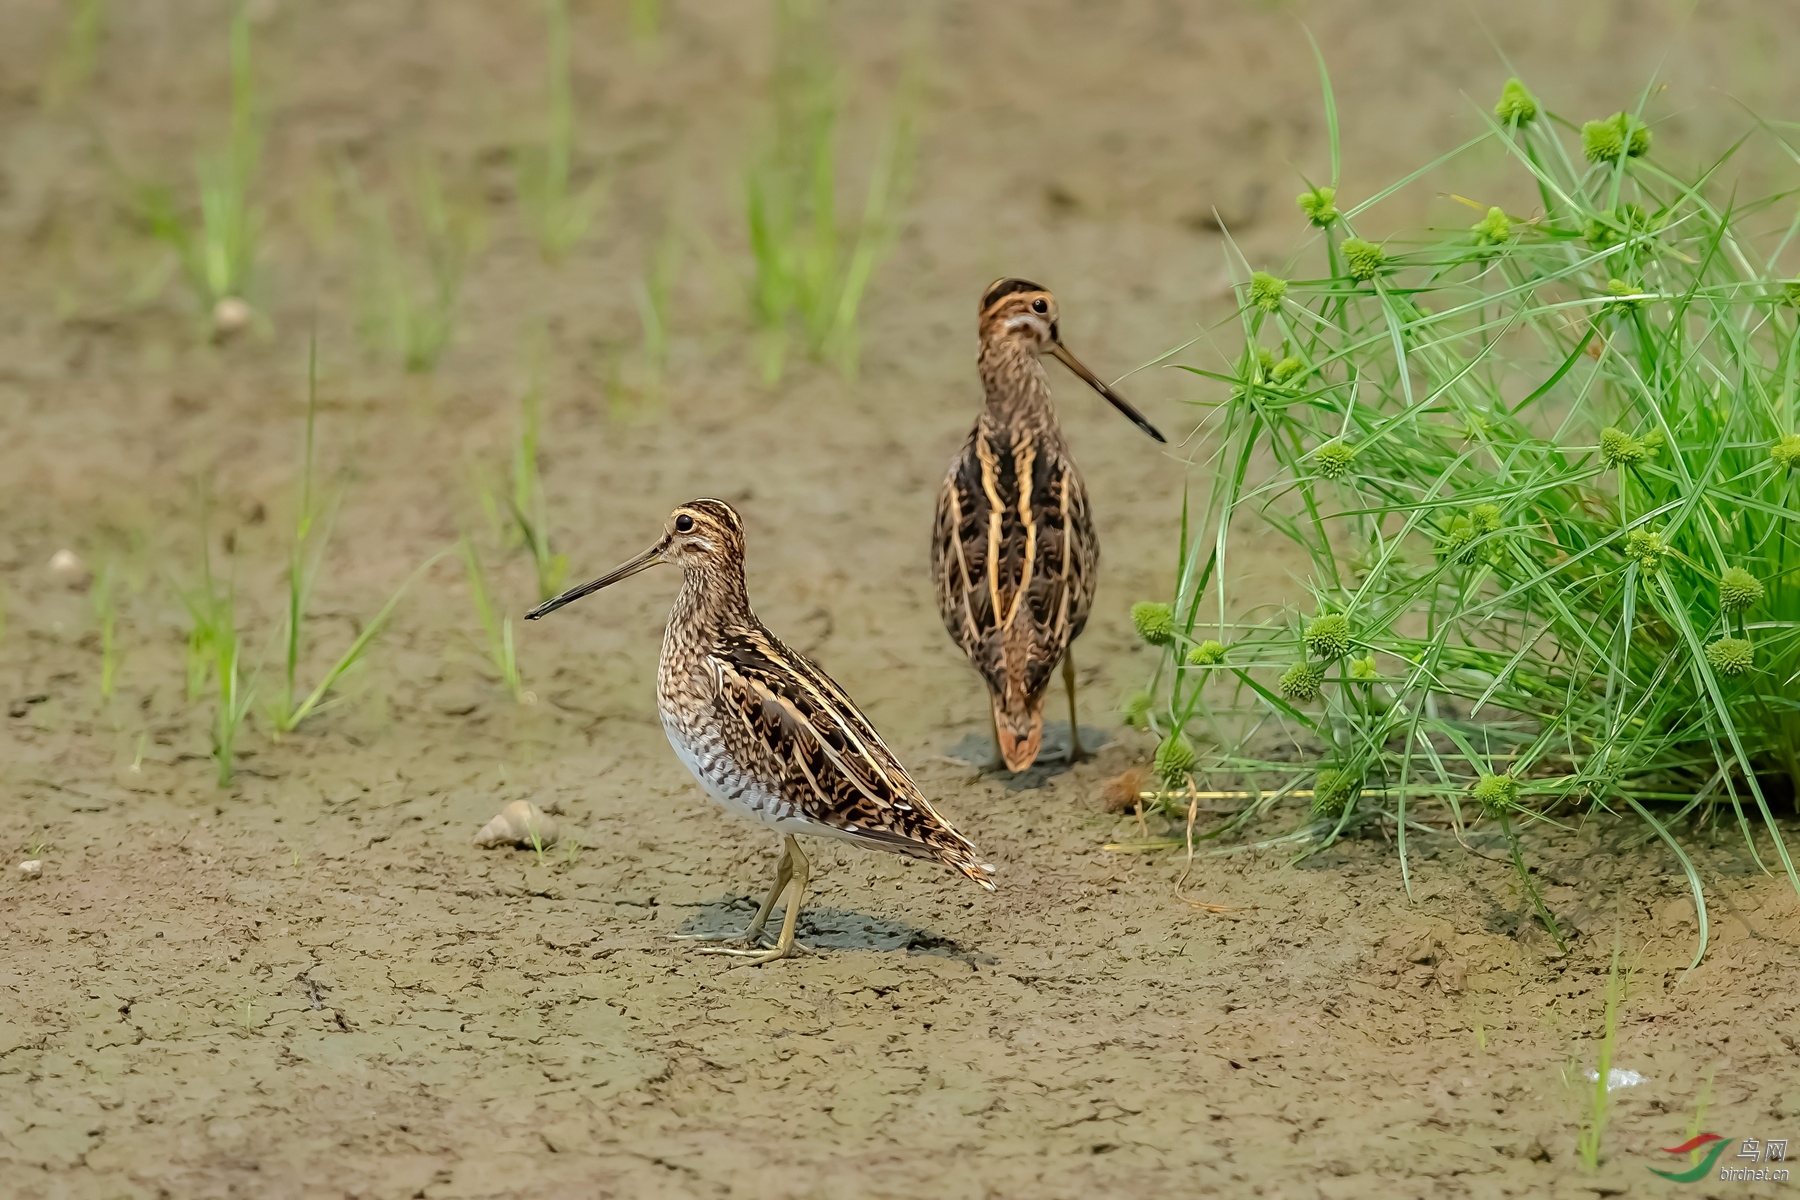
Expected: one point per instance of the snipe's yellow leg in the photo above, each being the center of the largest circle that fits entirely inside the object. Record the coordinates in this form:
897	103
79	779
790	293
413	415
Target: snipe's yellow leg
796	875
752	934
1076	753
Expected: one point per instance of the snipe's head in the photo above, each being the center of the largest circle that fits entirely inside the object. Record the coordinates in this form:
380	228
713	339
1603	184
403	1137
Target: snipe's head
1020	316
701	535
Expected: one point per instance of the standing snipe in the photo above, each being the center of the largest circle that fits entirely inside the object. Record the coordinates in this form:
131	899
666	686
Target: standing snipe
1014	552
765	731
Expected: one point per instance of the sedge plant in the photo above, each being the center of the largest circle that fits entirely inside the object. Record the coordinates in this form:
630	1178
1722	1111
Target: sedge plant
1541	469
1599	1098
496	627
73	67
214	652
525	498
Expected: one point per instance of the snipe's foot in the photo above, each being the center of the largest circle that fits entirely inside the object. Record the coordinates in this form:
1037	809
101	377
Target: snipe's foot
756	958
749	937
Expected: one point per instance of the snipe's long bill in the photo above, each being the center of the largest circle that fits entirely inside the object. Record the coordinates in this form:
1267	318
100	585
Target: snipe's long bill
765	730
1013	554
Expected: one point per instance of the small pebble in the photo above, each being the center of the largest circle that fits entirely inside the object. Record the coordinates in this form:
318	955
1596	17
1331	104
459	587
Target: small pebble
31	868
66	565
230	315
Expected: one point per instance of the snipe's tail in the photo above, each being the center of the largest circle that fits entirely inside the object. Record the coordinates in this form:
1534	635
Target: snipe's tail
1020	731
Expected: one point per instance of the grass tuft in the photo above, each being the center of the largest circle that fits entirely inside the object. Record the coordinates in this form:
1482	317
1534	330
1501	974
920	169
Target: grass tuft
1562	523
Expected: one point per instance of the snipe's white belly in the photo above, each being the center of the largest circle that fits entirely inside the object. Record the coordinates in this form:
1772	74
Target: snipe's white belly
737	790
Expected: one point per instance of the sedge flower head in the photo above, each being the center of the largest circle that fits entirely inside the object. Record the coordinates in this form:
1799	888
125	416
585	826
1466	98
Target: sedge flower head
1731	656
1496	793
1739	590
1645	548
1174	759
1319	205
1363	260
1333	460
1328	636
1492	229
1155	622
1516	104
1301	681
1266	291
1786	452
1332	791
1207	654
1620	449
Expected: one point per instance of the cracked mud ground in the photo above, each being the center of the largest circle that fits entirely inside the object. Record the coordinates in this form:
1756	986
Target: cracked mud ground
312	985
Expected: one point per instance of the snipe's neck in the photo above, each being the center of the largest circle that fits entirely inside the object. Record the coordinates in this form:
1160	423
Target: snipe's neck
1014	380
710	594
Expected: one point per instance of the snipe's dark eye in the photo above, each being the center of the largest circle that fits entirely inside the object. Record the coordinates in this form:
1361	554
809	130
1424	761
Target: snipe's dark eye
684	524
1040	305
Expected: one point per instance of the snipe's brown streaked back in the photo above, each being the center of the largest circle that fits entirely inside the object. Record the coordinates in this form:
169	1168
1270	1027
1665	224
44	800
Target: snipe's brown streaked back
1014	553
765	730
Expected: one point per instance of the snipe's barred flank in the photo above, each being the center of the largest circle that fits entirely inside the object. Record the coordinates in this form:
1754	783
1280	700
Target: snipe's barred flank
1014	554
766	731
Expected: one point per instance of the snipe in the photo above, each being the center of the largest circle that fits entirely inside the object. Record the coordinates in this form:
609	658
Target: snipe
766	731
1014	552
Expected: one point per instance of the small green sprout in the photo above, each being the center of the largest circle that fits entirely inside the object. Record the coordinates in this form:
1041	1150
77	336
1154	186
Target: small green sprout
1739	590
1266	291
1646	548
1786	452
1155	622
1332	792
1287	370
1136	709
1615	225
1333	460
1328	636
1731	656
1516	105
1363	259
1364	669
1207	654
1496	793
1319	205
1790	291
1492	229
1301	681
1174	759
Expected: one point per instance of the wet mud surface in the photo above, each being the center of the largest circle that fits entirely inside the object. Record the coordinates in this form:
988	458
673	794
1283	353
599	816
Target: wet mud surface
311	984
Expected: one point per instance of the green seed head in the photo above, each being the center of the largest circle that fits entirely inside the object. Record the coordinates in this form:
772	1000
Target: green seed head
1492	229
1319	205
1739	590
1648	549
1496	793
1155	622
1362	259
1285	370
1364	669
1485	518
1136	710
1328	636
1731	656
1333	460
1174	759
1332	791
1620	135
1301	681
1615	225
1620	449
1265	358
1266	291
1457	543
1516	104
1206	654
1786	452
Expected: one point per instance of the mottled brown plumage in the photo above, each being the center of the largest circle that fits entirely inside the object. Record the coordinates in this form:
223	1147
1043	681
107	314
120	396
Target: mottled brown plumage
764	729
1013	554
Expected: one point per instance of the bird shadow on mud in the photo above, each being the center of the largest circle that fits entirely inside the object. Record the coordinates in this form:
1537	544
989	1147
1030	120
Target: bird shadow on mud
1053	757
830	929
